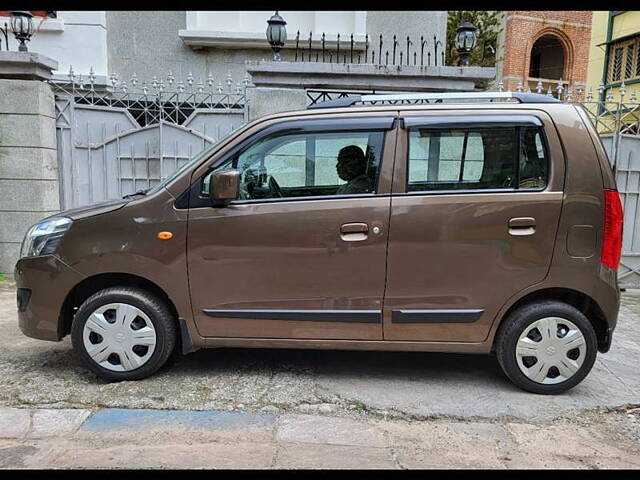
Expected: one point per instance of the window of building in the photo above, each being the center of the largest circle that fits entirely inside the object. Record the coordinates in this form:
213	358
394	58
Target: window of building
477	158
547	58
624	60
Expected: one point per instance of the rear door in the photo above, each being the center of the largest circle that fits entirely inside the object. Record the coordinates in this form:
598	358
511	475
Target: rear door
475	207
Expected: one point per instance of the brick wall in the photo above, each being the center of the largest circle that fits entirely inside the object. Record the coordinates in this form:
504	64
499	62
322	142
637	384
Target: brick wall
523	28
35	13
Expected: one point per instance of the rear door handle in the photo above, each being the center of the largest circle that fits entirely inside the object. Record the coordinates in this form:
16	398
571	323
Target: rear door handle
522	226
354	232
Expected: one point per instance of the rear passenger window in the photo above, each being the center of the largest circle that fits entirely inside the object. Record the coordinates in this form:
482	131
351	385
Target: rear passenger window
477	158
533	159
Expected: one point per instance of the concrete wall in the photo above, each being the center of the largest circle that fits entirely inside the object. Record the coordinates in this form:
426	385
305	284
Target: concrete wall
263	101
378	78
414	23
28	163
282	86
147	43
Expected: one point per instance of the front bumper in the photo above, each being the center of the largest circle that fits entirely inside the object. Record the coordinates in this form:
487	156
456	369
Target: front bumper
43	284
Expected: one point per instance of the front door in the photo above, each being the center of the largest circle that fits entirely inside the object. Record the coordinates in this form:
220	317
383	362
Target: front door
301	254
476	202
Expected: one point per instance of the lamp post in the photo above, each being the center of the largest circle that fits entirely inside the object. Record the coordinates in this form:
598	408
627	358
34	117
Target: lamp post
22	27
465	41
276	35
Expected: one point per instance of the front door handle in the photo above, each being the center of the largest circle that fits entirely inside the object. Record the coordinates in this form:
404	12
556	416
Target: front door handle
522	226
354	232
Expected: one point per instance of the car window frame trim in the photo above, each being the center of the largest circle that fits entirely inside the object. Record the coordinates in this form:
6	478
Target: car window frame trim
538	123
373	123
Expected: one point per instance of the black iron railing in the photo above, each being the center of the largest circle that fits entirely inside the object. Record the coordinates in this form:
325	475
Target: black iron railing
349	51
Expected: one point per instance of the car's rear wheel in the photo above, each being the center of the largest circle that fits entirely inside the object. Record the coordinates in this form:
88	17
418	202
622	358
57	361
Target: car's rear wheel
123	333
546	347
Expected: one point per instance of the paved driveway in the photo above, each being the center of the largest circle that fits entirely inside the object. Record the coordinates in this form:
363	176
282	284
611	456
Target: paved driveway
406	385
125	438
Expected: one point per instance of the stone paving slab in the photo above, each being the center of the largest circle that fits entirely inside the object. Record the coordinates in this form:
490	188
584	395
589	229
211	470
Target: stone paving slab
16	455
141	419
304	455
329	430
14	422
208	455
438	444
567	446
431	435
54	423
192	439
150	426
412	457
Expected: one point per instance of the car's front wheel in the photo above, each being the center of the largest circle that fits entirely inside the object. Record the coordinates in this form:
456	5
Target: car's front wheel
546	347
123	333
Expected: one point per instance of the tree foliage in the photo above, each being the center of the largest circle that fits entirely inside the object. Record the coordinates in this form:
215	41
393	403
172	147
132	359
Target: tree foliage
488	27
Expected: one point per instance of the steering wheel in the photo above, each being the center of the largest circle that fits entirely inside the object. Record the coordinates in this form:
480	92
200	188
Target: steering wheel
274	187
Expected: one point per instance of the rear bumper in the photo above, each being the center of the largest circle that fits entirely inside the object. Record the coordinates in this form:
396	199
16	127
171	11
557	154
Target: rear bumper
43	284
607	296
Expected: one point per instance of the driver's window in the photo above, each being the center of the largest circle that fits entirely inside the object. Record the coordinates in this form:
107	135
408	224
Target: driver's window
287	162
309	164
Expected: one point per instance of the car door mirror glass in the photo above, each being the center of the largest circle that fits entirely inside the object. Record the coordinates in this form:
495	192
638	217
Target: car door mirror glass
224	186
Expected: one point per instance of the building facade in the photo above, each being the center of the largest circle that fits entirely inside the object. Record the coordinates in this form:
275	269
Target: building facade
154	43
614	55
543	48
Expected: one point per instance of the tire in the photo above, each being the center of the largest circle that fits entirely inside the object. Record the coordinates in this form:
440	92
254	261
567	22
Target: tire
132	315
545	348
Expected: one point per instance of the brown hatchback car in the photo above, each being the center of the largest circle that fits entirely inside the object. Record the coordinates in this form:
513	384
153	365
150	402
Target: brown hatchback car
471	223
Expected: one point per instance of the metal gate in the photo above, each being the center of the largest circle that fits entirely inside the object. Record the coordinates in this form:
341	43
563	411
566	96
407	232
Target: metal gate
618	124
120	139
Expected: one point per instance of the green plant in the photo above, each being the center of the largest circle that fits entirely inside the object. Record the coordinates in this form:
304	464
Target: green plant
360	407
2	277
488	27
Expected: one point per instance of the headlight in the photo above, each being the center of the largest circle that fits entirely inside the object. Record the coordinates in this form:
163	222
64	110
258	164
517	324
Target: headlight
44	237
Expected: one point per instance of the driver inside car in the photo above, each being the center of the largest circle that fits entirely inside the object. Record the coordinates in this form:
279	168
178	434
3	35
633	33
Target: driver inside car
352	168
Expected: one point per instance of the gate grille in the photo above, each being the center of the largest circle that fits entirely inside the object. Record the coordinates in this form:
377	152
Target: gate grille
119	138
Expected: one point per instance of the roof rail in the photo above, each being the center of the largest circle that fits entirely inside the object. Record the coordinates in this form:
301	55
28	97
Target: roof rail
435	98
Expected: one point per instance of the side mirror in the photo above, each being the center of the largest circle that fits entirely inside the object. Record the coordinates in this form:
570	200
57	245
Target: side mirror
225	186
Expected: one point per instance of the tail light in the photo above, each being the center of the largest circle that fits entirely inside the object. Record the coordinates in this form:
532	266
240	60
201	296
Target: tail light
612	229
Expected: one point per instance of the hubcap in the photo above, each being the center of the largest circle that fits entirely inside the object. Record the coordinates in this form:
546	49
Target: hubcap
551	350
119	337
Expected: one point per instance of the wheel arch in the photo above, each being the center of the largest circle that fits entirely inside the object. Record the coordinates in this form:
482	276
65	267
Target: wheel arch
580	300
90	285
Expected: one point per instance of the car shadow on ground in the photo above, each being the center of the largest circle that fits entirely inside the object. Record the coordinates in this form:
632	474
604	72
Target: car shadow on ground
333	363
308	366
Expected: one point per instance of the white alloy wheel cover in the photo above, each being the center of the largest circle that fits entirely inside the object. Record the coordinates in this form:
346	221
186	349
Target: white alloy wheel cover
554	341
120	330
